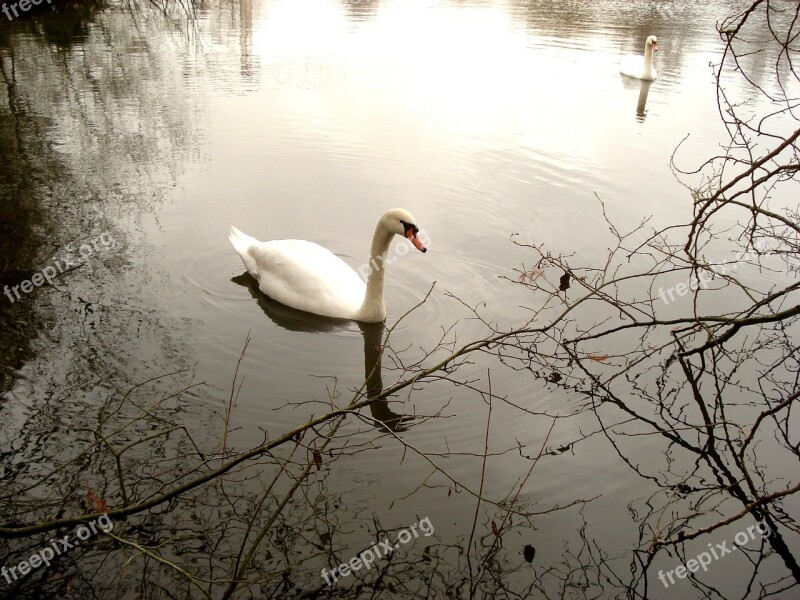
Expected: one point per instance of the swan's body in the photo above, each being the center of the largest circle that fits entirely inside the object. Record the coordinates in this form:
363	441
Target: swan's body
641	68
308	277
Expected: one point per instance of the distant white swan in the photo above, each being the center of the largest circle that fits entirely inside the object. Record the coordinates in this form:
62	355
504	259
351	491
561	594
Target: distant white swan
308	277
634	66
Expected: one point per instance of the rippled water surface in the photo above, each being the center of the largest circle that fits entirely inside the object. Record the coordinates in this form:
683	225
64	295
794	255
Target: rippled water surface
309	118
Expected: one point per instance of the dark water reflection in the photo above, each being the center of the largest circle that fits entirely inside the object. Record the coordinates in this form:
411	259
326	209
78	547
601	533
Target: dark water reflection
308	120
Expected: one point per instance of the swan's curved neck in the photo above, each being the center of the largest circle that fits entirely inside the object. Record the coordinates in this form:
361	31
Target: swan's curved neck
648	59
373	305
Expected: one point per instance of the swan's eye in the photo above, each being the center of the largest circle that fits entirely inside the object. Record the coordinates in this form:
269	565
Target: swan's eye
409	226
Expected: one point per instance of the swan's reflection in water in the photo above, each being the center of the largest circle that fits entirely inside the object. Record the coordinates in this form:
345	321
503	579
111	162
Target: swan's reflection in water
641	113
644	89
298	320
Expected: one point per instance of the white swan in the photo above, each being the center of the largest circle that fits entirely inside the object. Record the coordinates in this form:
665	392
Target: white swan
632	66
308	277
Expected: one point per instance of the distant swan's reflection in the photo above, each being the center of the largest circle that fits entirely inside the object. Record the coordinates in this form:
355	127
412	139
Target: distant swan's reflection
297	320
641	113
644	89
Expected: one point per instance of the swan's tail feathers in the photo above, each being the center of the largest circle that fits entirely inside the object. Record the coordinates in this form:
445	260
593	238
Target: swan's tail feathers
241	243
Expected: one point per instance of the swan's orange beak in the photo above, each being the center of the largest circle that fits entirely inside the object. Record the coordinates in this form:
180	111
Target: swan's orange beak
412	236
655	47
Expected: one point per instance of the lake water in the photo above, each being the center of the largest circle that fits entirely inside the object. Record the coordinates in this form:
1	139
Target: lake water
308	119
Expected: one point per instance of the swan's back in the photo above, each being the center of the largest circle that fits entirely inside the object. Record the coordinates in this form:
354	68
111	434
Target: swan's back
302	274
634	66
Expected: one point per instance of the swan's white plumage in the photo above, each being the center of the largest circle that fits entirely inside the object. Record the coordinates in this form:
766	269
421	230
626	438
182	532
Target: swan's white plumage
641	67
308	277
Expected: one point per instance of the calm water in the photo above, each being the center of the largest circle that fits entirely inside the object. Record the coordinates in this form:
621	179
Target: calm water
308	119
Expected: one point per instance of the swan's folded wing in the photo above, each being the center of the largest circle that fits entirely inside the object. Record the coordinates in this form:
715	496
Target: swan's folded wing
631	66
306	276
634	66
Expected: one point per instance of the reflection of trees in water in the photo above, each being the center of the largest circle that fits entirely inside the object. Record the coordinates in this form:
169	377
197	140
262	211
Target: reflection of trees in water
32	175
67	113
361	10
65	123
23	152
